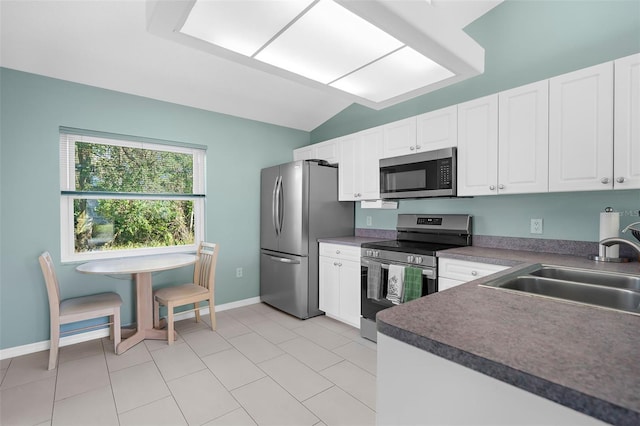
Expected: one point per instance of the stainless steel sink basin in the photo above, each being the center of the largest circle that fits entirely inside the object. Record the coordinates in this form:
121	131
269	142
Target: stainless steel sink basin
620	292
628	282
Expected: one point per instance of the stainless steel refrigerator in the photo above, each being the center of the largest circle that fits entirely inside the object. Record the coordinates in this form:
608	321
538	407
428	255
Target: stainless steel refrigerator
298	204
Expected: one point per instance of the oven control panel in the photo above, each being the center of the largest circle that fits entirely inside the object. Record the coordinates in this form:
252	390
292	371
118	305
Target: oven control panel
387	256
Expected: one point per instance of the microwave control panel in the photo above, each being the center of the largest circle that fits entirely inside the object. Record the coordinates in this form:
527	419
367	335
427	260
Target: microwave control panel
445	171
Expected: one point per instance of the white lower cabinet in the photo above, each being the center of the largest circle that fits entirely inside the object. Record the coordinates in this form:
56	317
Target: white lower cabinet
453	272
436	391
339	282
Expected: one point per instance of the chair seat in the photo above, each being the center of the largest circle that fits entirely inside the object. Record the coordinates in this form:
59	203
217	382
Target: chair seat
95	302
180	291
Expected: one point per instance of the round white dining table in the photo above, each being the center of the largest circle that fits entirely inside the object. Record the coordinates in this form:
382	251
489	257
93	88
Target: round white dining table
140	268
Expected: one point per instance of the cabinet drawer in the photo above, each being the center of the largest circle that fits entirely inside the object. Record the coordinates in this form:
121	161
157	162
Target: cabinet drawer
463	270
340	251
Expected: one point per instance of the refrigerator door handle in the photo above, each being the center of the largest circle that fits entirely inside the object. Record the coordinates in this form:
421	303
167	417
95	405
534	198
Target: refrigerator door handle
280	206
274	205
283	259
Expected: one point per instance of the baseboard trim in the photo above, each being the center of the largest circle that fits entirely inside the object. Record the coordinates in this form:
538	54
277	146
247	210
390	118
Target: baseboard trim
104	332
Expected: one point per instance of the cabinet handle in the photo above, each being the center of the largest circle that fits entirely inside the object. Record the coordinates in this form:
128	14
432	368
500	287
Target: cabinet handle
492	187
418	147
604	180
620	179
412	148
501	186
337	251
474	273
335	263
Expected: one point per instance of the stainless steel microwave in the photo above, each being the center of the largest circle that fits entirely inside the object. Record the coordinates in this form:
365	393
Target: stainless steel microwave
422	175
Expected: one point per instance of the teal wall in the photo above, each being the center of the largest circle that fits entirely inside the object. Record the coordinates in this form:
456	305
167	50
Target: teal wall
524	41
33	107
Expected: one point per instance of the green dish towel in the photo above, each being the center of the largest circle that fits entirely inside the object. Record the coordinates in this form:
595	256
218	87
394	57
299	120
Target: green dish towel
412	283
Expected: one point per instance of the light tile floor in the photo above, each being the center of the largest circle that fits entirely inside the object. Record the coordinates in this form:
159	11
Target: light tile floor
260	366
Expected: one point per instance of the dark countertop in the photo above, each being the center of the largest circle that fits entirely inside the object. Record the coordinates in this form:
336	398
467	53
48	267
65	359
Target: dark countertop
582	357
350	240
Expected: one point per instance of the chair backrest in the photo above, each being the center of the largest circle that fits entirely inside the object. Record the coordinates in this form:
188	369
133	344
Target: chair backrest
204	273
50	279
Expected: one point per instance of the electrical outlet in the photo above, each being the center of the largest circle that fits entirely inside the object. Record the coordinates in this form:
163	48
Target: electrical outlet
368	220
536	226
238	272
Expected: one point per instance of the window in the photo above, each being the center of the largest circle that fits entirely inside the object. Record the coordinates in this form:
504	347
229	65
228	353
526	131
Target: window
122	196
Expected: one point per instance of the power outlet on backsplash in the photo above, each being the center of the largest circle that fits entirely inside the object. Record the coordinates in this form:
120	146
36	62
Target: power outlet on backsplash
536	226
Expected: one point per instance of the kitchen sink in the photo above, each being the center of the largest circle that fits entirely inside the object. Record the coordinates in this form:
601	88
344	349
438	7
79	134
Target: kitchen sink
620	292
628	282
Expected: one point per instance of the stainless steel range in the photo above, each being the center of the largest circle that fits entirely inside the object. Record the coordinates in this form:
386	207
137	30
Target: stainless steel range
419	237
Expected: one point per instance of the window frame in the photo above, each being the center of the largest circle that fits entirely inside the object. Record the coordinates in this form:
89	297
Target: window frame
68	193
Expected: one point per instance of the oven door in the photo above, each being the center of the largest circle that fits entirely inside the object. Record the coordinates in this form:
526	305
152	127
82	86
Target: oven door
370	307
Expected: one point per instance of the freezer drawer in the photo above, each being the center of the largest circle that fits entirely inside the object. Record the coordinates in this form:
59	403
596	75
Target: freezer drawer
284	282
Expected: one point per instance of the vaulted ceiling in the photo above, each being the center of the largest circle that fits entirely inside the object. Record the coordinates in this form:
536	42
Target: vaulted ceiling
106	44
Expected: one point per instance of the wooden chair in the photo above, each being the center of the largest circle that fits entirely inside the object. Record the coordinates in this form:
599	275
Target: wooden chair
77	309
200	290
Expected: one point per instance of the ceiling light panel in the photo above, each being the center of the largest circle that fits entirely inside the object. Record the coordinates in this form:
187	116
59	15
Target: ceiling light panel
241	26
394	75
328	42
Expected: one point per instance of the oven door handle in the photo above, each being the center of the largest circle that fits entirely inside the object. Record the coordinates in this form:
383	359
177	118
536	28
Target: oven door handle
427	272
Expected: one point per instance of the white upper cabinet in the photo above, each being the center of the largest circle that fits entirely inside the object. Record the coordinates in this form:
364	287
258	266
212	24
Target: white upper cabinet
327	150
478	146
400	138
581	130
359	173
523	139
437	129
626	133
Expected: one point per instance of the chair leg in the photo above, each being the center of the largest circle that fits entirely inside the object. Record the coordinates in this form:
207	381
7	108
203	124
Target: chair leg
156	313
196	309
111	327
116	330
212	314
170	332
55	342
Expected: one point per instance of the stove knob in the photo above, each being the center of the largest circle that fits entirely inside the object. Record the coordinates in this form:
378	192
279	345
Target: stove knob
419	259
369	253
410	259
376	253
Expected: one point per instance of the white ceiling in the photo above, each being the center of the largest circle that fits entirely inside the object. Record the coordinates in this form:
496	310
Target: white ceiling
106	44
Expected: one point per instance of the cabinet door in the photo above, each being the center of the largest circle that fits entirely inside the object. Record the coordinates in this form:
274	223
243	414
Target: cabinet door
581	130
626	145
464	270
350	292
447	283
400	137
368	159
478	146
329	286
437	129
328	151
348	172
523	139
304	153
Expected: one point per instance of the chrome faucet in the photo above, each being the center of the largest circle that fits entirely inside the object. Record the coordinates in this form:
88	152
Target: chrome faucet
632	227
608	242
